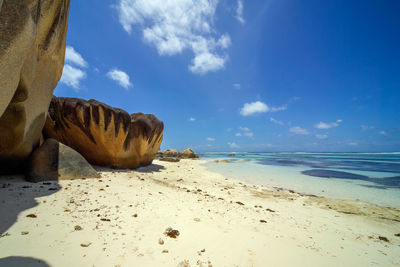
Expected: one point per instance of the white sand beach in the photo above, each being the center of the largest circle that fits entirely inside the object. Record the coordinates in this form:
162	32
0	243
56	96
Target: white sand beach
120	219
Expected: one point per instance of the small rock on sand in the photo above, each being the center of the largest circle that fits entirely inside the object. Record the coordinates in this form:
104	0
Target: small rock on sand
31	215
240	203
78	228
173	233
263	221
161	241
24	232
196	219
383	238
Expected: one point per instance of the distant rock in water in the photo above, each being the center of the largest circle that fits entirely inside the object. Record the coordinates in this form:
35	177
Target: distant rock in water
169	154
334	174
55	161
32	48
104	135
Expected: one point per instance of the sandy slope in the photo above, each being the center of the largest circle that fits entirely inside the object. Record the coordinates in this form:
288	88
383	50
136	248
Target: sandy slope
123	216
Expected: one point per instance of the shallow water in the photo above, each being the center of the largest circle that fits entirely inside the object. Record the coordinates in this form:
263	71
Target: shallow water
374	178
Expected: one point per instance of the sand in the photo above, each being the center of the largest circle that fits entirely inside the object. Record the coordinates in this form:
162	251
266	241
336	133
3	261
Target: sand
120	220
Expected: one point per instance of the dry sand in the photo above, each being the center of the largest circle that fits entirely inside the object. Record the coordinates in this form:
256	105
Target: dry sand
120	219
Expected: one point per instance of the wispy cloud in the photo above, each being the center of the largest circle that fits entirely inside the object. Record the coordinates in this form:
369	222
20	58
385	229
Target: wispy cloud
239	12
276	109
121	77
276	121
324	125
72	76
73	57
233	145
366	127
383	133
236	85
191	119
175	26
353	144
298	130
245	132
211	139
321	136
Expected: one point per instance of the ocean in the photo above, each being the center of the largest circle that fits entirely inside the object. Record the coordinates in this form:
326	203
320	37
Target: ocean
370	177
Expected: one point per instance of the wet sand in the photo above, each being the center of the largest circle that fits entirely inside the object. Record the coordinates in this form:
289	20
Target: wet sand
120	219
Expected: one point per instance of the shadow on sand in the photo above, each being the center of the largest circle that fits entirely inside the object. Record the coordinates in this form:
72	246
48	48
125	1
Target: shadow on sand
18	195
147	169
22	261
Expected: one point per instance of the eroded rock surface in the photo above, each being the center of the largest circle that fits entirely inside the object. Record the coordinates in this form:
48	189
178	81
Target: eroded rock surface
104	135
32	49
55	161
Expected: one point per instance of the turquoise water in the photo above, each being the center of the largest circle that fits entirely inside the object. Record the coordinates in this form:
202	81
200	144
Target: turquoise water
367	177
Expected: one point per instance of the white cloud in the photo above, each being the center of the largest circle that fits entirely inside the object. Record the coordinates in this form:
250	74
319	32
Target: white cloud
174	26
233	145
236	85
72	76
353	143
324	125
239	12
238	134
276	121
321	136
298	130
192	119
210	139
259	107
120	77
253	108
73	57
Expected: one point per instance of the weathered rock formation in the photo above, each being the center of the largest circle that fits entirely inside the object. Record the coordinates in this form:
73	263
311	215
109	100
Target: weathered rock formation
32	49
55	161
173	155
104	135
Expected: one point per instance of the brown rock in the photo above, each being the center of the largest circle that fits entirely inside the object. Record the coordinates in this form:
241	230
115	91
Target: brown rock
104	135
32	49
55	161
188	153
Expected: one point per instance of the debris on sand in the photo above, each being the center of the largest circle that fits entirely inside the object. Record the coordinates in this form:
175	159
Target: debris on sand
86	244
31	215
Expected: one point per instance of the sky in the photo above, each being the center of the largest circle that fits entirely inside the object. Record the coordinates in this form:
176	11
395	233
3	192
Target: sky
244	75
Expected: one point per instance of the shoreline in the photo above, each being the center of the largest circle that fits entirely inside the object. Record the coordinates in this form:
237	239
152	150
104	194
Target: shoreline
123	215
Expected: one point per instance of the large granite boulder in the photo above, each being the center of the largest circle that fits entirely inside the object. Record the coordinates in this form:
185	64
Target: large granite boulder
104	135
32	49
55	161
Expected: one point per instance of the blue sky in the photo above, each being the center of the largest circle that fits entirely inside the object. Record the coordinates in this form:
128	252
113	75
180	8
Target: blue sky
244	75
